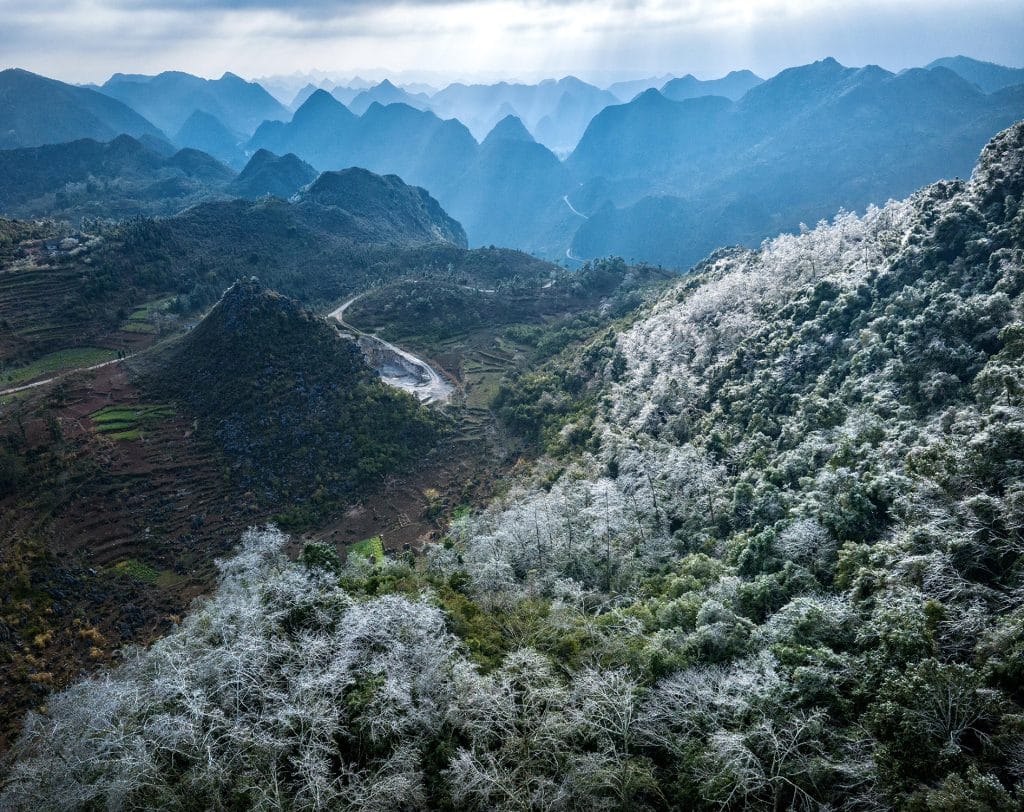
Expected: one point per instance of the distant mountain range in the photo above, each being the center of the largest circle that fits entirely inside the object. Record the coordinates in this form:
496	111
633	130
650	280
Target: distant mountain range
208	133
386	93
628	90
668	181
169	99
680	168
663	179
35	110
986	75
556	112
731	86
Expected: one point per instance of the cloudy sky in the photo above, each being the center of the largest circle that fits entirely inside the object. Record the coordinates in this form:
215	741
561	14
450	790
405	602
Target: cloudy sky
87	40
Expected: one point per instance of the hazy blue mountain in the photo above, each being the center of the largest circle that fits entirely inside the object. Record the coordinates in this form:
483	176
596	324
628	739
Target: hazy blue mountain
679	178
652	136
989	76
346	95
393	139
415	144
319	132
507	191
159	145
628	90
678	143
564	102
35	110
269	174
197	164
169	98
731	86
206	132
561	129
299	98
512	191
510	128
423	88
121	178
386	93
381	208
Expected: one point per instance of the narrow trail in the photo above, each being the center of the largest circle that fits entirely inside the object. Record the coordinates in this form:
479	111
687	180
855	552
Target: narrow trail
62	374
65	372
403	370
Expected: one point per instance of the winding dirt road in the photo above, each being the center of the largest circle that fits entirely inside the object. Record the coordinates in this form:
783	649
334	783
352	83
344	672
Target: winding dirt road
408	372
572	208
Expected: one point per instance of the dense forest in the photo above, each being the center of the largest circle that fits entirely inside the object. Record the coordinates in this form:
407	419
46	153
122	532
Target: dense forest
775	563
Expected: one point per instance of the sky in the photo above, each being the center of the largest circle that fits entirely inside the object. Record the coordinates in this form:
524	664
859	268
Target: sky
444	40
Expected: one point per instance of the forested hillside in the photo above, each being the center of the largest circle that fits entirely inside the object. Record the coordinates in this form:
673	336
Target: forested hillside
771	561
299	414
122	178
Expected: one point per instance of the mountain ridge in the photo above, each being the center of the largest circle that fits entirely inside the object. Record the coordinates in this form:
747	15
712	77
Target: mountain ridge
36	111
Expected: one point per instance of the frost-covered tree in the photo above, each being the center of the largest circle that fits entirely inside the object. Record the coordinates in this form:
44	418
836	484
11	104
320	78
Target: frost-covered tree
280	691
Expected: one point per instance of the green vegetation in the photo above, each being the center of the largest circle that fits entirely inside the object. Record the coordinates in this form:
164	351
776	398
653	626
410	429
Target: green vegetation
129	422
120	178
73	358
561	306
132	568
372	549
141	319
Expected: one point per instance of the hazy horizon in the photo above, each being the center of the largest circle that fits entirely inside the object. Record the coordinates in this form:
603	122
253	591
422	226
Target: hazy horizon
477	40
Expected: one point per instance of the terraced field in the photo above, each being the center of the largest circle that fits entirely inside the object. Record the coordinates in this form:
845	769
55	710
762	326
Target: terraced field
129	422
74	358
52	317
122	514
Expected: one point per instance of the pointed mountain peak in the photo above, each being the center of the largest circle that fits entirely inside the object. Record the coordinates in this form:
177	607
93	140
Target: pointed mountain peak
650	96
321	103
270	174
320	98
510	128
